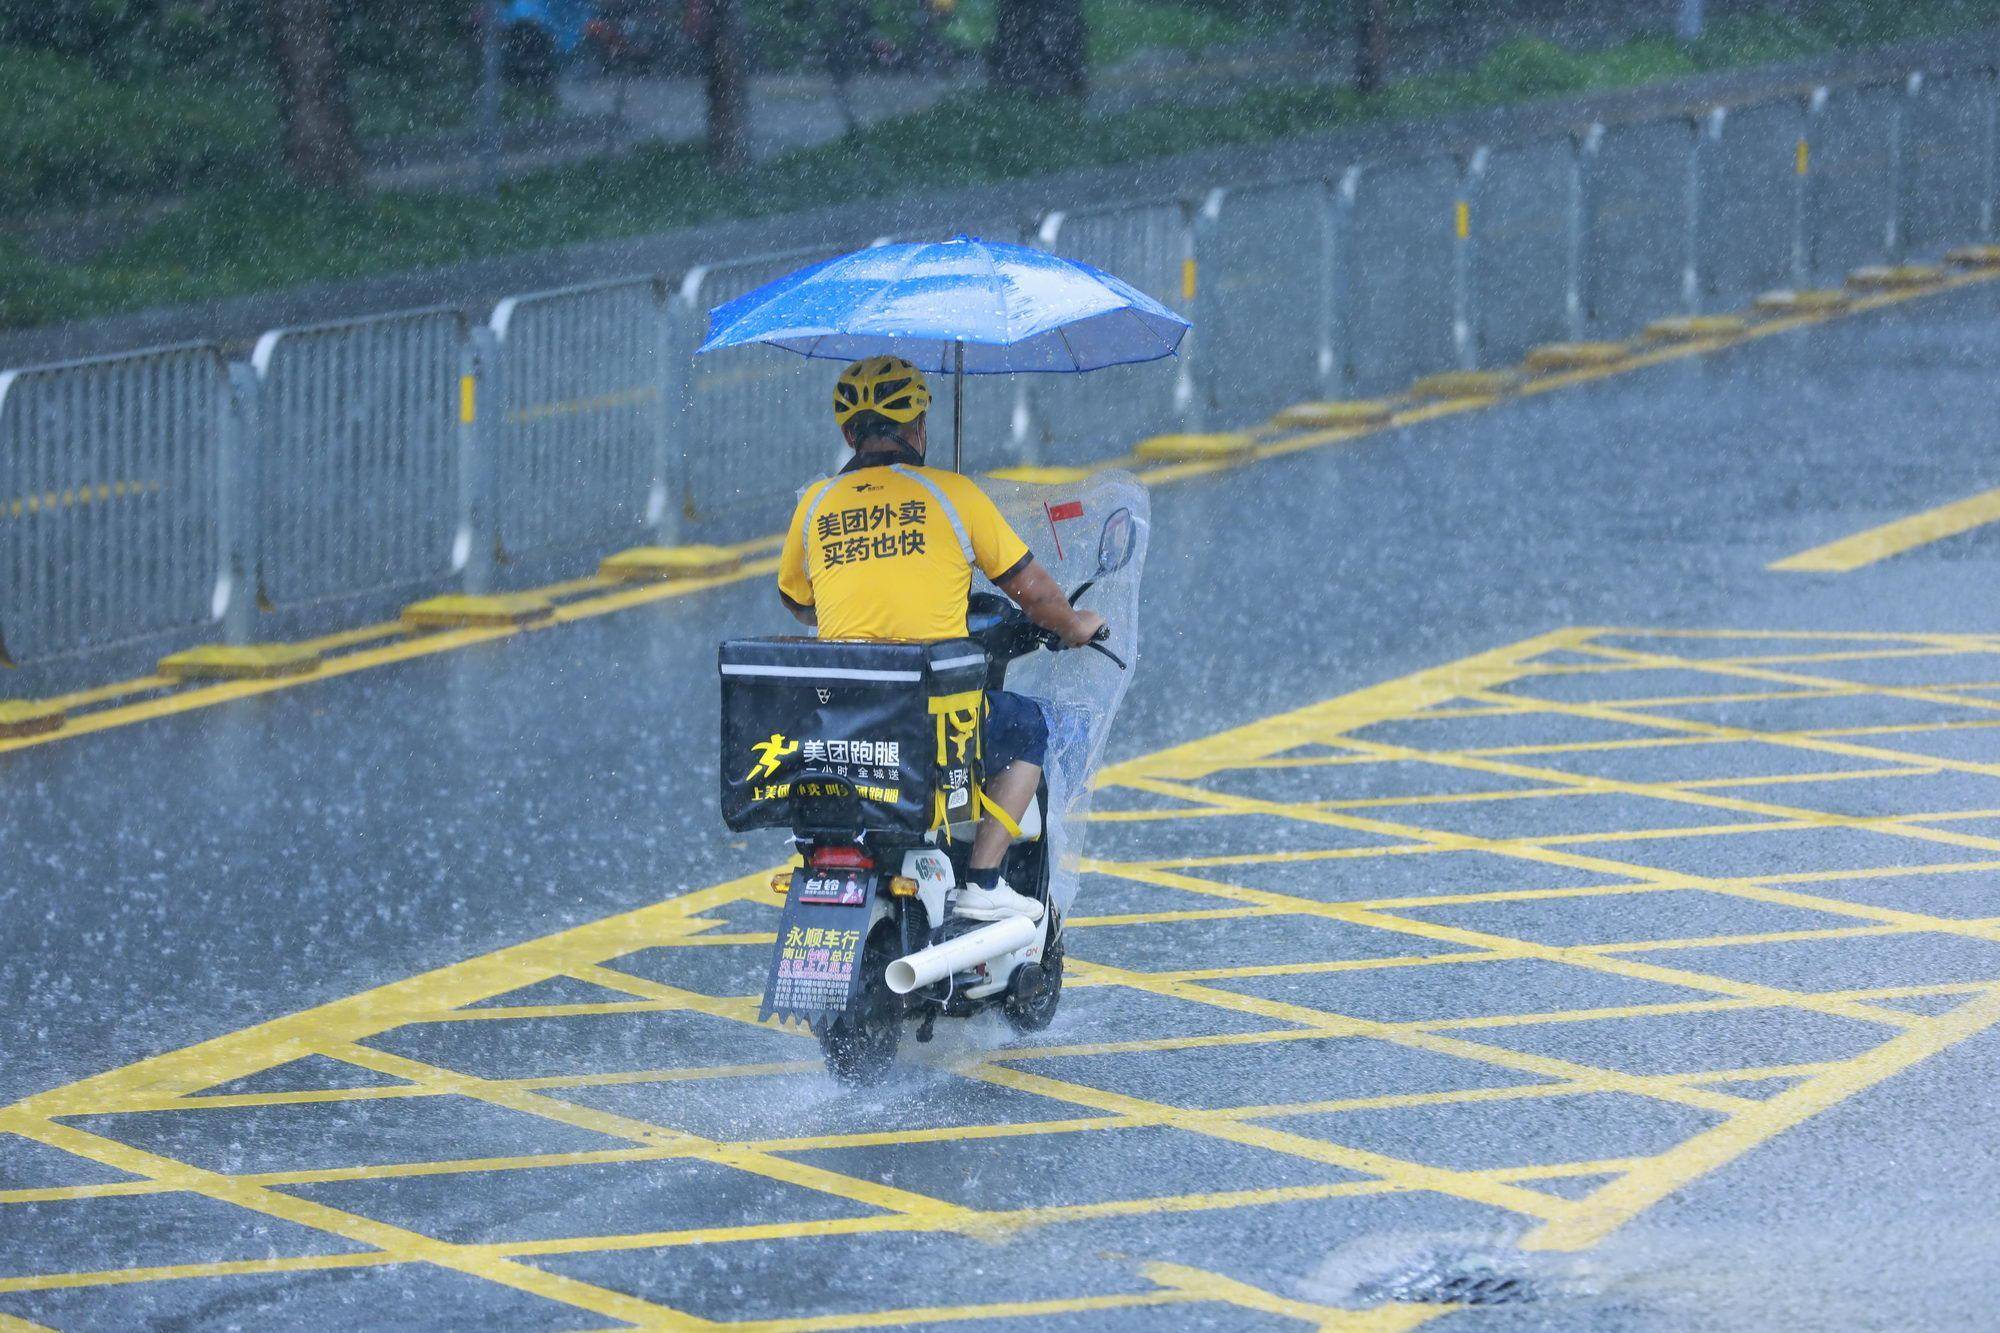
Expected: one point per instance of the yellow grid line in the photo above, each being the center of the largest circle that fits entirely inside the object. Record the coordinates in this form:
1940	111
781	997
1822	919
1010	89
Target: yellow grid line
1637	1182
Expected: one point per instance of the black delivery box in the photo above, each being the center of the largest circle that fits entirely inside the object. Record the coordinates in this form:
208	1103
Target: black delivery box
899	722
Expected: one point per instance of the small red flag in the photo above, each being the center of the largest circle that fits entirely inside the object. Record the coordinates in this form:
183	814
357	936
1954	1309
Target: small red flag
1069	509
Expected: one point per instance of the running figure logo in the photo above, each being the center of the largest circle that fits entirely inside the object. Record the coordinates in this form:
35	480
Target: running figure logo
769	755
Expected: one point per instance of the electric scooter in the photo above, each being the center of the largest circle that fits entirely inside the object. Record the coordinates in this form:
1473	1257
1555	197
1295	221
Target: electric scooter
867	942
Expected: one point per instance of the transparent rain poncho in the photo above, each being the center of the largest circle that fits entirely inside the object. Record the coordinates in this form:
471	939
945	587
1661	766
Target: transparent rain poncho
1079	690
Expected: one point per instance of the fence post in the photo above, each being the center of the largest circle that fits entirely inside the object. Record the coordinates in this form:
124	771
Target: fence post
1584	263
1802	197
1190	386
481	418
1464	301
1706	131
1989	155
1326	280
239	511
1815	108
1894	232
666	502
1343	284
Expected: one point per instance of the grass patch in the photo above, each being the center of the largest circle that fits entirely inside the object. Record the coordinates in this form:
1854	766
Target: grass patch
268	234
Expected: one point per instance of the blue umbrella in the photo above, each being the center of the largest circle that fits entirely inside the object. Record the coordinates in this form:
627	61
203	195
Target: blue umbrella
967	306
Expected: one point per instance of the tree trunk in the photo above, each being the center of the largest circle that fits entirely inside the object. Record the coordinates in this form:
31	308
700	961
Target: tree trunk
1039	48
725	64
312	94
1371	44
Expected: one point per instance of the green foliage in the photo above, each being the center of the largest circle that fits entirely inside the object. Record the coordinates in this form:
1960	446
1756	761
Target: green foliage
261	234
67	137
1119	31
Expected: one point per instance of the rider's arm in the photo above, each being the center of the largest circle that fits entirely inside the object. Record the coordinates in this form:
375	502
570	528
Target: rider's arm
1038	594
805	614
794	579
1003	557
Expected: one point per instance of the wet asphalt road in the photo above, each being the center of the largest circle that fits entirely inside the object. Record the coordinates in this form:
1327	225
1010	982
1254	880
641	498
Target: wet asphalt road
187	877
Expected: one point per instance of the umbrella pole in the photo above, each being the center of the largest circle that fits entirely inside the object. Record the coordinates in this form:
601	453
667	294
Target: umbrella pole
958	407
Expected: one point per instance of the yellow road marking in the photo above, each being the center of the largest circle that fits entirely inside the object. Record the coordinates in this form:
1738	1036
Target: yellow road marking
175	1081
1890	539
391	1240
1611	1207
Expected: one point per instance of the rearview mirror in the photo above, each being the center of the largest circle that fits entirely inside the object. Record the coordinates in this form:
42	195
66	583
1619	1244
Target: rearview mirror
1115	543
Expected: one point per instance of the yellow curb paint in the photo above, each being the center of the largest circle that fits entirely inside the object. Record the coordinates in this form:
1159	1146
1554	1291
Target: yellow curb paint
462	611
649	564
1452	384
1694	328
1574	356
256	661
1894	277
1975	256
1179	448
1344	413
1812	301
32	717
1042	475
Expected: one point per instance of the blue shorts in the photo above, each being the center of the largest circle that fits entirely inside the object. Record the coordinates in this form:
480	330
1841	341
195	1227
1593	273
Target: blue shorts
1016	730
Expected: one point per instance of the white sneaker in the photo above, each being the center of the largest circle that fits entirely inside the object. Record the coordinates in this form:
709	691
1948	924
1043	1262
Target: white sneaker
977	904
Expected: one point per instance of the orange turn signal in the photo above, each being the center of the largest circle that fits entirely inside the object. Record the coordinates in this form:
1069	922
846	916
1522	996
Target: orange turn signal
781	882
902	886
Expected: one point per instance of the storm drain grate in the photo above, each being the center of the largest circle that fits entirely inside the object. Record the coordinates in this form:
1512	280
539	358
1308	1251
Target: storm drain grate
1468	1284
1431	1270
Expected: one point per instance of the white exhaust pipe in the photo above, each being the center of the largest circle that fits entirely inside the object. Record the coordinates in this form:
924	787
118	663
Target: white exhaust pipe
968	950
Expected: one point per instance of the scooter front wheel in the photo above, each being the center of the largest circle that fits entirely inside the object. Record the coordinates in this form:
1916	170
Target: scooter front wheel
860	1045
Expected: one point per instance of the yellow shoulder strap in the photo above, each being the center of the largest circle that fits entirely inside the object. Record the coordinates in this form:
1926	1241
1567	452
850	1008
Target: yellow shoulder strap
1005	820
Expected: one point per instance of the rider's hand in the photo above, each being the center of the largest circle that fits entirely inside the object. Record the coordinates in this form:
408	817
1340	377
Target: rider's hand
1082	628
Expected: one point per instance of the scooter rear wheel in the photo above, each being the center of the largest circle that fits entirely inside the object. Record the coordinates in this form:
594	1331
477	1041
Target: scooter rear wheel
860	1045
1036	989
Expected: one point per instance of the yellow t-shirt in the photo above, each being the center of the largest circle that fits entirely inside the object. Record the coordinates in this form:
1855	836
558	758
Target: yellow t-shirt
877	552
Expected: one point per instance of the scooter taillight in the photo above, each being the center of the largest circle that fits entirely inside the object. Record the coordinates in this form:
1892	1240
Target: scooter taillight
840	858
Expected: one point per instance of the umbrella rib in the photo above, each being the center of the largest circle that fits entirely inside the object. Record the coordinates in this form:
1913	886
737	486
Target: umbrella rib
1062	331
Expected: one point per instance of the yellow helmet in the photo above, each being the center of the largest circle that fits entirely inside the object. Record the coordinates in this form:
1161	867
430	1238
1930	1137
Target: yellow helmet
887	385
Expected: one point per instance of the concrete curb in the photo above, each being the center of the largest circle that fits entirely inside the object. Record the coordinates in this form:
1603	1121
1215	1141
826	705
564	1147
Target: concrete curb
1465	384
1894	277
1041	475
1552	357
1356	412
1811	301
29	718
249	661
1195	448
1693	328
458	611
661	564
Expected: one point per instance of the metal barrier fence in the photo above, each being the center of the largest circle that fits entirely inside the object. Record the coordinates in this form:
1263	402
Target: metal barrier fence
1949	126
1265	274
361	423
759	397
1852	175
579	417
1752	176
1639	212
1082	418
1525	224
110	513
157	491
1402	313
